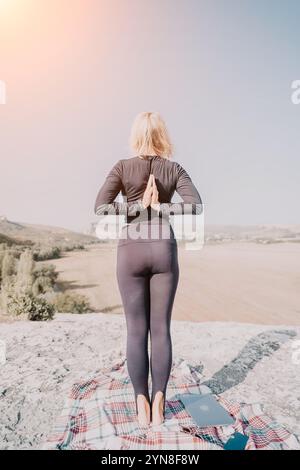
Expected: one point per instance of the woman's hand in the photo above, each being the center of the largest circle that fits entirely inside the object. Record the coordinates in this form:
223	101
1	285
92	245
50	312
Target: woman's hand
147	197
155	196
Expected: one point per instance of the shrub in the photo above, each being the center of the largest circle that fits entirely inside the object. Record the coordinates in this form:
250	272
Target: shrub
46	252
7	291
74	247
46	270
71	303
41	285
35	308
44	279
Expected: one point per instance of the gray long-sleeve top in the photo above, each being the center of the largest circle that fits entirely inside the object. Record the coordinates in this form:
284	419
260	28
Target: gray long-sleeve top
130	176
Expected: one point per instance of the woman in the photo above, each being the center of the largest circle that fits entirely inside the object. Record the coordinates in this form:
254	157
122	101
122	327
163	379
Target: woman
147	258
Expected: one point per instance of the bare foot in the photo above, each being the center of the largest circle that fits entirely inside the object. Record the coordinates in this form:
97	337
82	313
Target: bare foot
143	410
158	409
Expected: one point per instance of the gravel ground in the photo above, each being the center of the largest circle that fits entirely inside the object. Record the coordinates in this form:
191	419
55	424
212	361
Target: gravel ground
245	362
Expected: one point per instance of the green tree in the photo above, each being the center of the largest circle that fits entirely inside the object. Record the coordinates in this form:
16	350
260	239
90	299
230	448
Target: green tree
2	252
8	265
24	278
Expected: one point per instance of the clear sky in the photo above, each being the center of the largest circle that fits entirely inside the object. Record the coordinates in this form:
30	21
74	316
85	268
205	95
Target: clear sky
219	72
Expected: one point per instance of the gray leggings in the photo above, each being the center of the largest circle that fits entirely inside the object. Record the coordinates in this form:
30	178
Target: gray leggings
147	275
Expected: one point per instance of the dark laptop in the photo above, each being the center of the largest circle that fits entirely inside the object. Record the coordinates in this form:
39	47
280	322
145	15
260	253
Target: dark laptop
205	410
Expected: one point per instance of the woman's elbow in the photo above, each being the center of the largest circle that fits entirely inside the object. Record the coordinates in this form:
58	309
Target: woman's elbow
100	208
199	207
97	208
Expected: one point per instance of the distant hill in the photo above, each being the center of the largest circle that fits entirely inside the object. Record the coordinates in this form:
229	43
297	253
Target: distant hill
264	233
15	232
11	241
22	233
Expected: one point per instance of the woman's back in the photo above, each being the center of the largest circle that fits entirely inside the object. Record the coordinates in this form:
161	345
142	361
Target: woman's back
130	176
135	174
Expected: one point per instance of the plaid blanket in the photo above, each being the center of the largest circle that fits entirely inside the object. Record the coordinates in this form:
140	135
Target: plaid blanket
100	414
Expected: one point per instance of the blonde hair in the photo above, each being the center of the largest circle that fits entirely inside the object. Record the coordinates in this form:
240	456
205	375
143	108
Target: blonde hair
149	135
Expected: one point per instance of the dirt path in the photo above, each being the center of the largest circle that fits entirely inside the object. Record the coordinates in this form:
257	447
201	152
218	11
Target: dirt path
244	282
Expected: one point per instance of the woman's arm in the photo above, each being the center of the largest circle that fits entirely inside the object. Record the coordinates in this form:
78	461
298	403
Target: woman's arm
111	187
192	203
